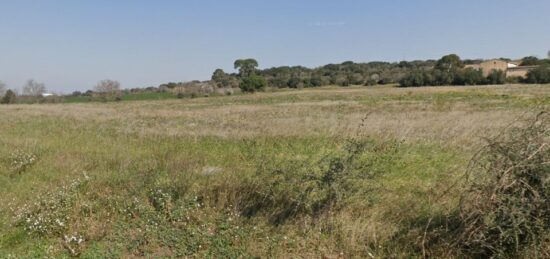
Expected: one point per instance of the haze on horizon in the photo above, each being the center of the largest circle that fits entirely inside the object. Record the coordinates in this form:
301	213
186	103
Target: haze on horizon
71	45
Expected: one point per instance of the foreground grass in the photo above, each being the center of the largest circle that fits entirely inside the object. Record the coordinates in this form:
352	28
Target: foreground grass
295	173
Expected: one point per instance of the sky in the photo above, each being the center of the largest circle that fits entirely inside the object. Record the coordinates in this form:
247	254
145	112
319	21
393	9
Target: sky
72	44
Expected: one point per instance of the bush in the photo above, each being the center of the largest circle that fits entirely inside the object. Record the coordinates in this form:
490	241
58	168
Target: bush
312	187
8	98
496	77
441	77
507	206
469	76
416	78
253	83
514	80
540	75
21	160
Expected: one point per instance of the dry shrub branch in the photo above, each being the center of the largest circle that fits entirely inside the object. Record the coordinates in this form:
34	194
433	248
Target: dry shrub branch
506	206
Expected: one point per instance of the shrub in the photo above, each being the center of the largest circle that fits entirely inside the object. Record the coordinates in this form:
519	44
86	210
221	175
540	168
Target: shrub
253	83
540	75
507	206
469	76
310	187
21	160
496	77
8	98
53	214
514	79
416	78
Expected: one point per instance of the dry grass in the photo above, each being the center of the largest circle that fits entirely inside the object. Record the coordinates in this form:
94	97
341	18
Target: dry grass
131	148
452	115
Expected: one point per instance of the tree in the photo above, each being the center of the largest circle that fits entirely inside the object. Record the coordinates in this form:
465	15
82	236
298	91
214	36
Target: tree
2	89
496	77
253	83
469	76
529	61
246	67
33	88
8	98
220	78
108	88
449	63
539	75
294	82
416	78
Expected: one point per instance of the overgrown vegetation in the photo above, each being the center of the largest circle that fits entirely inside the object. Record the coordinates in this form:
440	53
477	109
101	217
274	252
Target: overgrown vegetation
239	176
503	210
506	208
540	75
449	70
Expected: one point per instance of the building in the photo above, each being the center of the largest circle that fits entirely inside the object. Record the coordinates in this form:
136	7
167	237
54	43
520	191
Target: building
520	71
511	68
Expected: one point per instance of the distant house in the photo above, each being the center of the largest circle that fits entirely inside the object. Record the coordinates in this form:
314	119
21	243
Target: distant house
511	68
47	94
520	71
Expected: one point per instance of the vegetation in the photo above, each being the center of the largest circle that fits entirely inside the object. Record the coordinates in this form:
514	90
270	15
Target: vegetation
246	67
33	88
108	89
252	83
2	89
326	172
505	209
449	70
540	75
8	98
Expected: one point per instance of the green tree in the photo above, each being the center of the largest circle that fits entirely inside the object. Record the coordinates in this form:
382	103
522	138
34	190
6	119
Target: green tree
253	83
469	76
529	61
294	82
246	67
539	75
449	63
496	77
220	78
441	77
8	98
416	78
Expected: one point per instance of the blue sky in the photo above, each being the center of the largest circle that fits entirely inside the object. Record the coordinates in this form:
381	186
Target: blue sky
71	44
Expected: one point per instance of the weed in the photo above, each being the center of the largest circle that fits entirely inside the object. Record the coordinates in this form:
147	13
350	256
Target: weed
507	205
21	160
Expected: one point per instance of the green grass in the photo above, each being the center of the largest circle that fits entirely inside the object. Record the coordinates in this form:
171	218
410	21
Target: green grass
125	97
160	179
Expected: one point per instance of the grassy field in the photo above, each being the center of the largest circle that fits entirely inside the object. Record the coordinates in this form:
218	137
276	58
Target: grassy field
124	97
327	172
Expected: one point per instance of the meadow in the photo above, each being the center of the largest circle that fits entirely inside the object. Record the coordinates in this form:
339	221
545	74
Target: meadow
356	172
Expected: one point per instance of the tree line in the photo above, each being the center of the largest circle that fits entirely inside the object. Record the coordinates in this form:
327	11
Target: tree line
450	70
344	74
34	91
